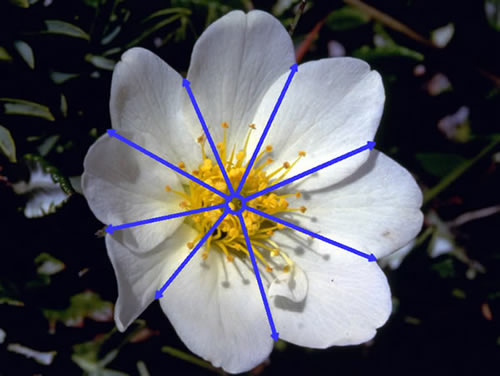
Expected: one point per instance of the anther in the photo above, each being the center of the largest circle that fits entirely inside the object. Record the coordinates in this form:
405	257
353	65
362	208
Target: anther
286	165
298	194
204	255
181	165
286	268
302	153
200	139
230	258
269	148
252	126
190	245
224	125
168	188
269	269
302	209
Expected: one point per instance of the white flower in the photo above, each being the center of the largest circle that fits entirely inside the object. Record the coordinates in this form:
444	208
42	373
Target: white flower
319	295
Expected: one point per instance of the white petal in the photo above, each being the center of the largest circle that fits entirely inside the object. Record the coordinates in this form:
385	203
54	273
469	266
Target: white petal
292	285
376	210
331	107
233	63
217	311
140	275
122	185
347	300
147	97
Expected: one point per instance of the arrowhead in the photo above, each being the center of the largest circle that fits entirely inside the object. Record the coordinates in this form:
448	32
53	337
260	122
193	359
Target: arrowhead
109	229
111	132
372	258
185	83
294	68
371	144
158	294
275	336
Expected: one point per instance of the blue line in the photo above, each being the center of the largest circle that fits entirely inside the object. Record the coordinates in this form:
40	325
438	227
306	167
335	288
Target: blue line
159	293
110	229
369	145
114	133
187	84
370	257
293	70
274	334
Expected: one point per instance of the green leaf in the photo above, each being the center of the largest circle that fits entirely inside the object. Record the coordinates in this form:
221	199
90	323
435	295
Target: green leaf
100	62
65	28
48	265
14	106
387	51
84	305
60	77
439	164
26	52
46	146
20	3
7	145
4	55
47	190
346	18
164	12
492	10
154	28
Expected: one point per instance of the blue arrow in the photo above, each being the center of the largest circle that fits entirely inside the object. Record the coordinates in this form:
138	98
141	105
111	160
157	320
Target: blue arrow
293	70
370	257
274	333
115	134
187	84
369	146
159	293
110	229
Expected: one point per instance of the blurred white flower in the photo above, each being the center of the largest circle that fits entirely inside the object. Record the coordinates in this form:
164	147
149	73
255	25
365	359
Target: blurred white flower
319	295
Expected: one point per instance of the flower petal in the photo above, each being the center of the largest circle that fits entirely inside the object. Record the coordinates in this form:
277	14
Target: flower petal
292	285
147	97
331	107
231	70
347	300
122	185
140	275
376	210
217	311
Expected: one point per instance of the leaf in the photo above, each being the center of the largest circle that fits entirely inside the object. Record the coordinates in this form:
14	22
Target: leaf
44	358
439	164
26	52
154	28
60	77
84	305
47	190
492	10
346	18
48	265
442	36
3	335
100	62
166	11
7	145
47	145
65	28
387	51
4	55
20	3
14	106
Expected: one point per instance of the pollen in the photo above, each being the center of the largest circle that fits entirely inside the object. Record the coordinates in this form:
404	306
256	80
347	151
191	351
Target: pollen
228	238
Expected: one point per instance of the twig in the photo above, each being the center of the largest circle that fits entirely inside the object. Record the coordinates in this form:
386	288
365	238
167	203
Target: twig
300	11
306	43
391	22
473	215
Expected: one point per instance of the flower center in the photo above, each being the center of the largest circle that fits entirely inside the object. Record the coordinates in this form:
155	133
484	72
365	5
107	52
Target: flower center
228	238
